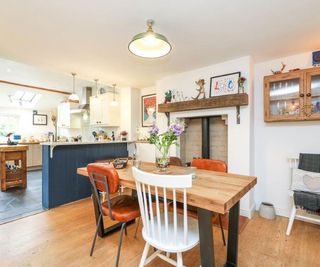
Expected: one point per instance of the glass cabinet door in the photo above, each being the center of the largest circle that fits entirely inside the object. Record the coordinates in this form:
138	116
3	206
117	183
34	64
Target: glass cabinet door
313	95
284	98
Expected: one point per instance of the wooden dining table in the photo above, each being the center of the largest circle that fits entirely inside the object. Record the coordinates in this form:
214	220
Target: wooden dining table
211	192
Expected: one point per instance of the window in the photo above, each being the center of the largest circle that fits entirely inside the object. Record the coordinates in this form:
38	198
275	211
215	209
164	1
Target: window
24	98
8	124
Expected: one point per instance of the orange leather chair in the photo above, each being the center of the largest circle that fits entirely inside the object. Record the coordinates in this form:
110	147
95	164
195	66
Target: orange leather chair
122	208
212	165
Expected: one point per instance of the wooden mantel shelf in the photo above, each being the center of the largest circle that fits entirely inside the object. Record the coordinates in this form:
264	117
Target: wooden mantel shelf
235	100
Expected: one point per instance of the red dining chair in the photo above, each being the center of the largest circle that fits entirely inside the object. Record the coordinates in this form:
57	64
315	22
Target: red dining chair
122	208
212	165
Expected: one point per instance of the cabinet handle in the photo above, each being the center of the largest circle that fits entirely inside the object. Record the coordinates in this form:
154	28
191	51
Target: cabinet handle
301	95
308	94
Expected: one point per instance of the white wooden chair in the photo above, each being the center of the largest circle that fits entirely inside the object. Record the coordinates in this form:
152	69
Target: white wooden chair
297	213
168	232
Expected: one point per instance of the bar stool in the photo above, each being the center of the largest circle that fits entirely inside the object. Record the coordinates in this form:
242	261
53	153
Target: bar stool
122	208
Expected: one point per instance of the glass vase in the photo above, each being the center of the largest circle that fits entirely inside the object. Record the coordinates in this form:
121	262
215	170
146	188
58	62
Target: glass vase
162	159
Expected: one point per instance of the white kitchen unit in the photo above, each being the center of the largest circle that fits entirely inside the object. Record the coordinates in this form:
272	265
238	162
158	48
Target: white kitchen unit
67	119
34	156
102	113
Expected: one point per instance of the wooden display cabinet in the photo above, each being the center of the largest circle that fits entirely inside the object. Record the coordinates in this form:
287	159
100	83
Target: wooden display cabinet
292	96
15	155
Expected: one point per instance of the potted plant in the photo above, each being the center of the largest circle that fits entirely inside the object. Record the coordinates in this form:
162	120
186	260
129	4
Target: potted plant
123	135
163	142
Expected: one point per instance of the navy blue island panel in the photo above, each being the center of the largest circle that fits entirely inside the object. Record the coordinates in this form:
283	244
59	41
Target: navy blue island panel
60	182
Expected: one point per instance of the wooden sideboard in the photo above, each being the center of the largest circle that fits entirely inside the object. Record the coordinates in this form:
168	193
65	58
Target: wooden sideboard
13	156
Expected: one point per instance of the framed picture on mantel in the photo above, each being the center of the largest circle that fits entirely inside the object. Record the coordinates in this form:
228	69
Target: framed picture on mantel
226	84
149	110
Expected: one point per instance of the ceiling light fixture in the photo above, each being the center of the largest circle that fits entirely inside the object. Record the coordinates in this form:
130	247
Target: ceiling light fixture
97	90
73	97
114	101
149	44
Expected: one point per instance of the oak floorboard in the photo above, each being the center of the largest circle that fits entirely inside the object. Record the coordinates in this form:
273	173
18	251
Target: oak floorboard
62	237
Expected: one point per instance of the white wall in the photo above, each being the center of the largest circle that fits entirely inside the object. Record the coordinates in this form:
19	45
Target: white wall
239	140
26	128
275	142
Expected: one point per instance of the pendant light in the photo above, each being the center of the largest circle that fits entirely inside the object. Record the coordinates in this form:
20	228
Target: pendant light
149	44
97	91
73	97
114	101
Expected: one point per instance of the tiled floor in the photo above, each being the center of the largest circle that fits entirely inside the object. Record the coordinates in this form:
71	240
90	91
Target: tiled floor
17	202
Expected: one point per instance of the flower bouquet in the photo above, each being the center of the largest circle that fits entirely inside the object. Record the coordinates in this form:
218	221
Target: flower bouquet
163	142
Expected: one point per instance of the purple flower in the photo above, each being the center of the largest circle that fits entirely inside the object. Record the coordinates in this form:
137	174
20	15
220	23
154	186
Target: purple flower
154	130
176	129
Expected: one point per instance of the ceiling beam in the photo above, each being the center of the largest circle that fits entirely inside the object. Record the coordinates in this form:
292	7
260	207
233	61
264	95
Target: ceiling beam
36	87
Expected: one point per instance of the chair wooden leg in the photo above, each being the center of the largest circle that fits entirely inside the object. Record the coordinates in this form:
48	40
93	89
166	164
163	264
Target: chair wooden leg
291	219
120	243
95	235
179	260
144	254
222	231
137	227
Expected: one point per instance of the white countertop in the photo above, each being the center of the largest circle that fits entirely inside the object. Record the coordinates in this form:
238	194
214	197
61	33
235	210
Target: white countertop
82	143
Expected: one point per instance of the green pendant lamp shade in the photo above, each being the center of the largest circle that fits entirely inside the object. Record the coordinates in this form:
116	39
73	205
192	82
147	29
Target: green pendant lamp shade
149	44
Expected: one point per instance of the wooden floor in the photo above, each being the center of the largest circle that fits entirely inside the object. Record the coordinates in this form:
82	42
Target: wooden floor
62	237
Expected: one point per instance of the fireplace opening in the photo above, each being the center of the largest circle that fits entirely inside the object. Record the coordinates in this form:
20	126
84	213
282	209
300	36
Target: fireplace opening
205	137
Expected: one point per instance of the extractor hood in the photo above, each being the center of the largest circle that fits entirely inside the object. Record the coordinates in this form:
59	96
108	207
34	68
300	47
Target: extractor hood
85	100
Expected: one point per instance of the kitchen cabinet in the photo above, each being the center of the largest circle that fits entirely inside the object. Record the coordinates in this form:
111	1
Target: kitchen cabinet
292	96
102	113
67	119
34	155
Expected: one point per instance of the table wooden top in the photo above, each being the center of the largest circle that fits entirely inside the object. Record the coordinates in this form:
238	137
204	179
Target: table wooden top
215	191
7	148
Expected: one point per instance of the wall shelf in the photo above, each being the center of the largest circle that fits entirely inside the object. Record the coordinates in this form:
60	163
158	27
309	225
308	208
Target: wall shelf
235	100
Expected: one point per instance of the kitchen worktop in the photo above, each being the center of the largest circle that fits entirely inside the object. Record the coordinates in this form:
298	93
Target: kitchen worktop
83	143
10	148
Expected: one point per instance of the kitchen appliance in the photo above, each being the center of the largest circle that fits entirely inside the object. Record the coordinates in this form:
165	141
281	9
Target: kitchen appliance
84	102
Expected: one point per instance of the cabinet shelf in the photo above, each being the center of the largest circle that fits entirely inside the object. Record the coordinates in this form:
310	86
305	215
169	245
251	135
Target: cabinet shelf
235	100
207	103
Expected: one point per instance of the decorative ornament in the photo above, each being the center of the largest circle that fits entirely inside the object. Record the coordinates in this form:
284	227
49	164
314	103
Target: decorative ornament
167	96
279	71
241	82
201	91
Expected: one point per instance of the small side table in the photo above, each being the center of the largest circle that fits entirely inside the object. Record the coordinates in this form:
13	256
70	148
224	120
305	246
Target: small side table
16	154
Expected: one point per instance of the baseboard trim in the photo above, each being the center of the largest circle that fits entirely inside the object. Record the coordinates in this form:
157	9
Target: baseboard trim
248	213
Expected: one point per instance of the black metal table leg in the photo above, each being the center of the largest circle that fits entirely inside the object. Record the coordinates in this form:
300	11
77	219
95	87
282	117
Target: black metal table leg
233	235
206	237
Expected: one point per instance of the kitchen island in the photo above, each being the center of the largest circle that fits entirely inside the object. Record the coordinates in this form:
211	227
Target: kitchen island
60	182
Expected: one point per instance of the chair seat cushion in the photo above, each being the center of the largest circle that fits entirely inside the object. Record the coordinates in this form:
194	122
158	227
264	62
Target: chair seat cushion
165	241
124	208
305	181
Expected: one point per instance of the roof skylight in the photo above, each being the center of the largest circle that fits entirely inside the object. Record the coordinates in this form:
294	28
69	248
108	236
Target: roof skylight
24	98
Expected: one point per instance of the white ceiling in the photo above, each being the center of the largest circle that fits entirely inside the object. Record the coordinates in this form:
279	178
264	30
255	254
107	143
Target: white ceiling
91	37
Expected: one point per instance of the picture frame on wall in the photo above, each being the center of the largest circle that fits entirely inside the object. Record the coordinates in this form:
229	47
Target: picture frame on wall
226	84
40	119
149	110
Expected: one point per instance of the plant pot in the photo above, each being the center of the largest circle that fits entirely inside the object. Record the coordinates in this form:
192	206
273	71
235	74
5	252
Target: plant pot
267	211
